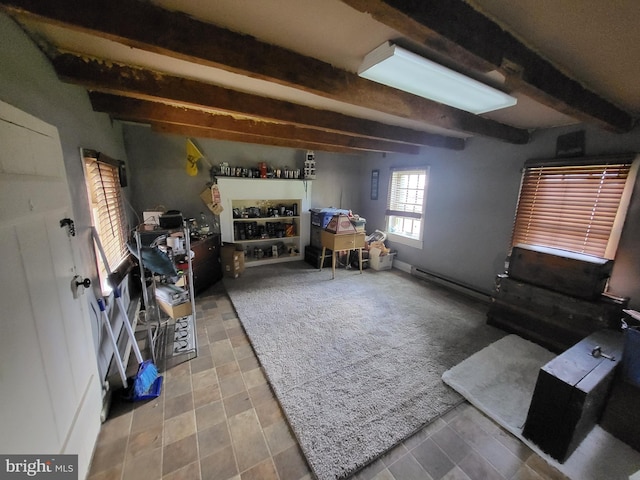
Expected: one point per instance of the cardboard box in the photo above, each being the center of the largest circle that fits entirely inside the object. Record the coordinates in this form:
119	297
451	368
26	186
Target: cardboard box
175	311
232	261
381	262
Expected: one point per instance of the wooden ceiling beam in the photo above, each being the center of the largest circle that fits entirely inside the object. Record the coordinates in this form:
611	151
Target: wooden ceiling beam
145	26
125	108
456	29
203	132
143	84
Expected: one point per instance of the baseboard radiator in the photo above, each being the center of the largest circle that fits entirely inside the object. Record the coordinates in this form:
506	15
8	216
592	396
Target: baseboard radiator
450	283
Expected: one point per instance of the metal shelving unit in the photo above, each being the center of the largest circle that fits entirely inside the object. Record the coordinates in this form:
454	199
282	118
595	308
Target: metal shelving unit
171	340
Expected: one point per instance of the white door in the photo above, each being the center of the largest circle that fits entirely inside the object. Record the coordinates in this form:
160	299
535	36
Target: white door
50	396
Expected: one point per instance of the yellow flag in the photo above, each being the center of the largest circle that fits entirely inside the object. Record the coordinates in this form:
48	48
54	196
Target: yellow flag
193	155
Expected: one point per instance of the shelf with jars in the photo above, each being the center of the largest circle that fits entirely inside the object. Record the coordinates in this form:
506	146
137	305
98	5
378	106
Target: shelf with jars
269	220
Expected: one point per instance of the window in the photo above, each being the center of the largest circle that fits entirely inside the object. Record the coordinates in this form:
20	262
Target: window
576	205
107	211
406	203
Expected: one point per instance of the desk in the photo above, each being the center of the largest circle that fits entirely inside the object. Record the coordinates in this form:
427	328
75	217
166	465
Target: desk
340	241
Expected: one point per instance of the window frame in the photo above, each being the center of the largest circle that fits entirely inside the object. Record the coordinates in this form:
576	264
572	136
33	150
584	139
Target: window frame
588	197
102	176
394	212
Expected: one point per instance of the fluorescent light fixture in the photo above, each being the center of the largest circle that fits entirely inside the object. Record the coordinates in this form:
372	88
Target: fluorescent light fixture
399	68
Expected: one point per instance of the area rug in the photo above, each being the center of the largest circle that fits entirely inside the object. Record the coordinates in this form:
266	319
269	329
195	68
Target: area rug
500	379
356	362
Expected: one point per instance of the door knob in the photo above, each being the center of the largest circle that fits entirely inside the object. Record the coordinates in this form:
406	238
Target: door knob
78	284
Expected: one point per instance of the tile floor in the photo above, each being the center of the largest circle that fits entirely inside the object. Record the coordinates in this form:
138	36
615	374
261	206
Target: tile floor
218	419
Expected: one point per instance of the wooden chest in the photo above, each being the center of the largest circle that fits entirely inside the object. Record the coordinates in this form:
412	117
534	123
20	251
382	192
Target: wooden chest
552	319
578	275
570	394
621	416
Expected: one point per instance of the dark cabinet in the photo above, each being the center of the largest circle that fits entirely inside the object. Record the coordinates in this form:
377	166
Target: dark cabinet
206	262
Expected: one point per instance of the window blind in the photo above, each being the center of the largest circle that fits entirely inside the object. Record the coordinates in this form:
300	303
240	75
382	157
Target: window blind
406	193
103	185
573	206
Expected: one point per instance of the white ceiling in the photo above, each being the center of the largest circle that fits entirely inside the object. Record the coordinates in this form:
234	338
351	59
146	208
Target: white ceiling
592	41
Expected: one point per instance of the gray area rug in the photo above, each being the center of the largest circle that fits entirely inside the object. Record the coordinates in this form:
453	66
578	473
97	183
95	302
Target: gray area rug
356	362
500	379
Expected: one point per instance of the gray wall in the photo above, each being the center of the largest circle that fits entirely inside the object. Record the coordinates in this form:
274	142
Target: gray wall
156	166
28	82
471	202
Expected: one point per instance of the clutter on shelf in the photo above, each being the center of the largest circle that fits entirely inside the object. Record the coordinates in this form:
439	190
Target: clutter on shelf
310	165
267	171
158	219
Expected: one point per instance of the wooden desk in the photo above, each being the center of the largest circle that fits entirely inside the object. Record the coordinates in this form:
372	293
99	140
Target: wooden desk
340	241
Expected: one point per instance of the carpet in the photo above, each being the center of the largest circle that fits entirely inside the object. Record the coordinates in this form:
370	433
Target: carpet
356	362
499	380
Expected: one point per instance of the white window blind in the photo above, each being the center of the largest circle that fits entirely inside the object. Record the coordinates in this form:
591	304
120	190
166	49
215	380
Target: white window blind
406	202
108	215
574	205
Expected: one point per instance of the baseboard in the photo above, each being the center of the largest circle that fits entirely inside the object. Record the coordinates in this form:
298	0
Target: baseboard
405	267
446	282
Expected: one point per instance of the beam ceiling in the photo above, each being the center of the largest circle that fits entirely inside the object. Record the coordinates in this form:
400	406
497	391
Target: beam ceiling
159	113
147	27
455	29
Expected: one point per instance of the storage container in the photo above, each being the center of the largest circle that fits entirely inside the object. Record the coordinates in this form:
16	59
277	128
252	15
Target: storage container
175	311
381	262
232	261
579	275
313	255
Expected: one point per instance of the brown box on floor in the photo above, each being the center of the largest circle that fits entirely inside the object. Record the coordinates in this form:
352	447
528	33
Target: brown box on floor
232	261
175	311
